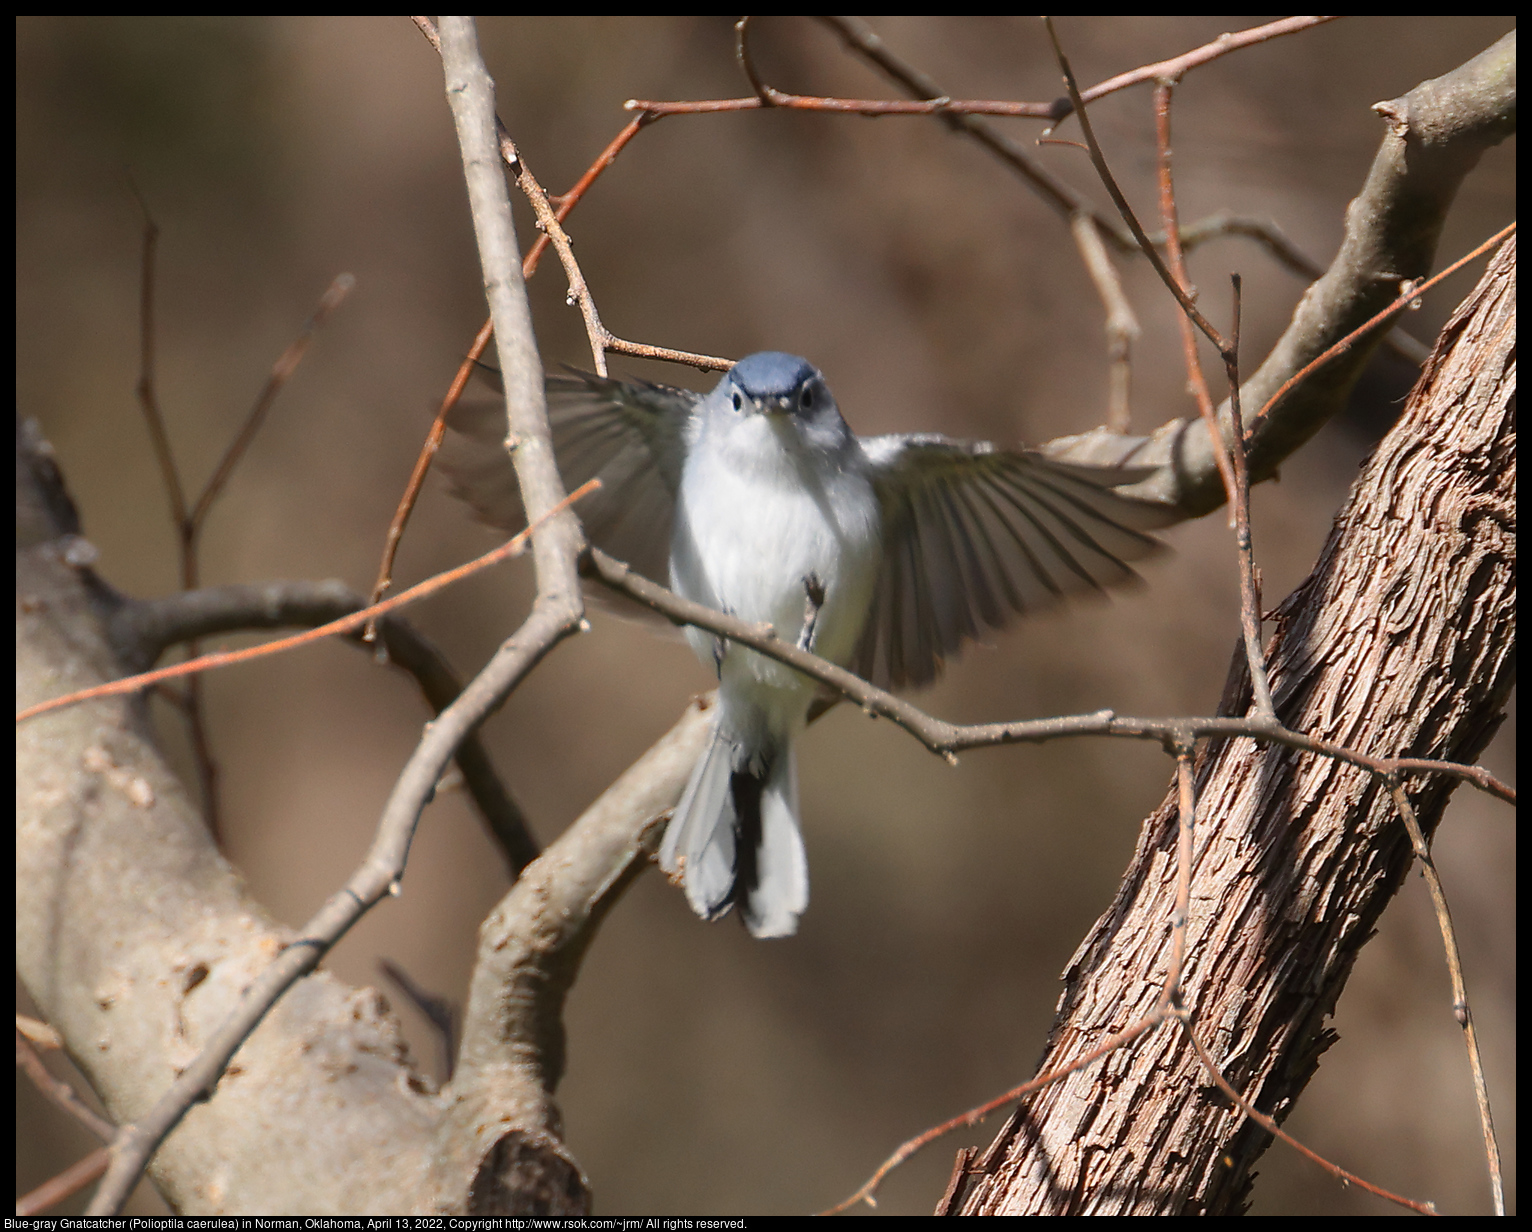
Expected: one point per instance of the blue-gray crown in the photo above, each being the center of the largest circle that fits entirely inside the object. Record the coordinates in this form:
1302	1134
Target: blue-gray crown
772	374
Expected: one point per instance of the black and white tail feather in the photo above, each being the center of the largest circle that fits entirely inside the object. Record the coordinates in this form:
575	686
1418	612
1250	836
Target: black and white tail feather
735	842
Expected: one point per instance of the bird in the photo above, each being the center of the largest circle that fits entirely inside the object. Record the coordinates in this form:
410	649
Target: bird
883	554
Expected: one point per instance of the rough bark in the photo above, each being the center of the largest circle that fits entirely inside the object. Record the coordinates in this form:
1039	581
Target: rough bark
1401	642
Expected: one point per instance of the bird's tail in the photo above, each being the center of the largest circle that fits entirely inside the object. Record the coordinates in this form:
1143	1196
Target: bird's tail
735	839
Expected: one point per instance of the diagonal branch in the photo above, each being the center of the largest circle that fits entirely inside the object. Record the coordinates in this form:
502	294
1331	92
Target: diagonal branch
1300	858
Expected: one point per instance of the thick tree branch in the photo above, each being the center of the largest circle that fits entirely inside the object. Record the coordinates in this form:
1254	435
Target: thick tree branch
1298	857
138	941
1435	136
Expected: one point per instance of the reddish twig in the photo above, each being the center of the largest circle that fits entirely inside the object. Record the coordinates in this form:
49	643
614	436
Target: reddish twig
1098	159
422	465
572	198
1175	258
768	96
1272	1128
66	1184
132	684
1169	70
1409	297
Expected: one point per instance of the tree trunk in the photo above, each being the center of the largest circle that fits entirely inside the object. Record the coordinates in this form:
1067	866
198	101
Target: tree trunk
1400	643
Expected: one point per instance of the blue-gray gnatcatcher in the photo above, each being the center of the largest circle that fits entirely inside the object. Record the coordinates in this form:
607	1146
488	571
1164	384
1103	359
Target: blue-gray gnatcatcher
882	553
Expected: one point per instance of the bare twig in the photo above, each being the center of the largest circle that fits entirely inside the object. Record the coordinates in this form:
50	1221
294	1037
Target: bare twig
190	701
148	398
65	1185
1231	458
281	372
1098	159
1269	236
1172	69
1276	1131
602	339
1063	197
1405	300
576	193
1175	259
1121	324
1239	497
1460	1007
59	1092
423	464
935	103
549	222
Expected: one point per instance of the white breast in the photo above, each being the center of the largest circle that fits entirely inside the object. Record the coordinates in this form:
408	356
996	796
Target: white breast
755	517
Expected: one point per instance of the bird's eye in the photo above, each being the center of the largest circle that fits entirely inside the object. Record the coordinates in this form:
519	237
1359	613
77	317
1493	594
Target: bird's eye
738	401
806	398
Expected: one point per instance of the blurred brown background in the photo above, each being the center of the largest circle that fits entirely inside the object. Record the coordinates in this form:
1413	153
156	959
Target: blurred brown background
710	1073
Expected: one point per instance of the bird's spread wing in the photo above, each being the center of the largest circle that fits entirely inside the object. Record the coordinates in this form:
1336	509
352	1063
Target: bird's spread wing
974	536
626	433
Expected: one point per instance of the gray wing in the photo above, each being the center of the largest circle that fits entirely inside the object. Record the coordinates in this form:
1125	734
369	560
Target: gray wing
626	433
974	536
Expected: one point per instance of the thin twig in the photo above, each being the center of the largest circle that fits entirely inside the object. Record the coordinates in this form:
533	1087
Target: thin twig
66	1184
1460	1007
946	739
941	104
742	54
1098	159
1122	328
189	702
281	371
423	464
572	198
1269	236
1271	1127
601	339
60	1092
1249	582
148	398
1169	70
1176	260
1404	301
549	221
770	97
1063	197
976	1116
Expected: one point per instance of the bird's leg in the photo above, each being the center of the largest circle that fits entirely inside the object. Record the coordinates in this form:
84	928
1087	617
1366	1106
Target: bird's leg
814	600
721	645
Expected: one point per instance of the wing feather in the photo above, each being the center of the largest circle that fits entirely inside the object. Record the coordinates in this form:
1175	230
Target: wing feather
626	433
974	536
